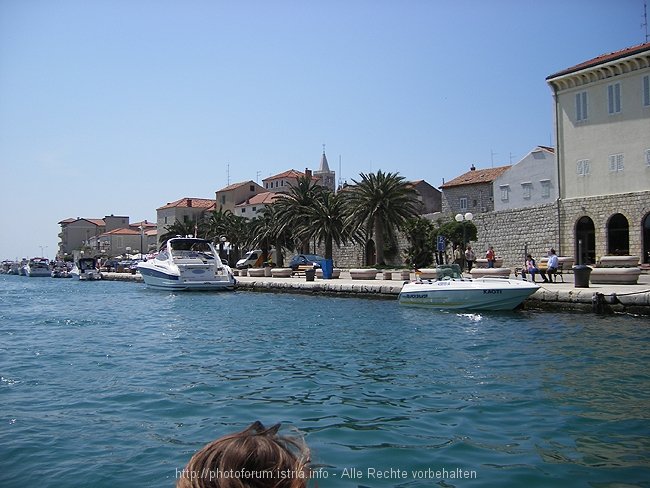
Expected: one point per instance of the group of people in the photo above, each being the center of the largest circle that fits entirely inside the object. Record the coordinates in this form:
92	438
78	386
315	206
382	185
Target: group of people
470	257
530	267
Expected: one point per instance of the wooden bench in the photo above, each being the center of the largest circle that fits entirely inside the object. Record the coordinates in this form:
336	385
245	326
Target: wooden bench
301	270
564	265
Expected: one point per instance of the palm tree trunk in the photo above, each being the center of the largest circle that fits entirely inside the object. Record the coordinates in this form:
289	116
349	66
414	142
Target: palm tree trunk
379	242
328	247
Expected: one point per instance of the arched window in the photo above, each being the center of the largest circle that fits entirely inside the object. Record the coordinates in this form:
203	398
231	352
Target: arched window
618	235
585	237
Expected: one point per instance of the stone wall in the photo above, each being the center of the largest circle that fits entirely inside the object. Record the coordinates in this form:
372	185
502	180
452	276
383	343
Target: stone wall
536	229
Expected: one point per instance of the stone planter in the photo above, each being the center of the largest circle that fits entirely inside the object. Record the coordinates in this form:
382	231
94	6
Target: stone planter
267	271
620	276
336	273
483	263
386	275
256	272
363	274
235	272
619	261
280	272
243	272
403	275
490	272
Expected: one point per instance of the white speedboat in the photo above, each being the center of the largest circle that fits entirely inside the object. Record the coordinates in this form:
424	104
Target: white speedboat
85	269
187	263
37	267
451	291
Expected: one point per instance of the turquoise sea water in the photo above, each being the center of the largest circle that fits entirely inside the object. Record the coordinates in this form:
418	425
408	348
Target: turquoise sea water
109	384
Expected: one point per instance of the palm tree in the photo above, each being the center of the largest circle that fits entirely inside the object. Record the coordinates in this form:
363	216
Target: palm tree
179	228
292	208
380	204
325	221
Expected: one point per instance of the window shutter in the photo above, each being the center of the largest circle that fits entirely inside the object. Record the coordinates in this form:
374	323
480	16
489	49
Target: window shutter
617	97
619	162
587	169
581	170
578	111
612	163
610	99
646	91
647	157
584	106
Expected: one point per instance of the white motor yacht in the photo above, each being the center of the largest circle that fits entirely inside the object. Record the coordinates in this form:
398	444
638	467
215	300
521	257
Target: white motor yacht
187	263
451	291
38	267
85	269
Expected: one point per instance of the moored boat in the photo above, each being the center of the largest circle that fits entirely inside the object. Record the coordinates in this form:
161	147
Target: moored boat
37	267
85	269
187	263
451	291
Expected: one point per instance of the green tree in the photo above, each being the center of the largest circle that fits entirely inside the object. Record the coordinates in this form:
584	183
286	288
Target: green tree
419	253
179	228
453	232
292	209
379	205
325	221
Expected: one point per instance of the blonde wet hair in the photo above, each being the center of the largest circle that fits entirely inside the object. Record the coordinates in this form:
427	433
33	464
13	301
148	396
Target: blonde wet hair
255	457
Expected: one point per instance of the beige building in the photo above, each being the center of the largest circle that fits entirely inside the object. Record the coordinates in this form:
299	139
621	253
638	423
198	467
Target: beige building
253	206
284	181
602	125
183	210
229	197
76	233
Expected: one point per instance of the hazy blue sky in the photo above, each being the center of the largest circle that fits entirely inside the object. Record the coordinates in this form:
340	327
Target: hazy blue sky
118	107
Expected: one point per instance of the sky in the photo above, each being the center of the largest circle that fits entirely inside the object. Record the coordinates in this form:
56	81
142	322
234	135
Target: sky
119	107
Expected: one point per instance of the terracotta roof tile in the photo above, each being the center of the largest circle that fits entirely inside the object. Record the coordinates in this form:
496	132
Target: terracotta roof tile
122	231
264	198
476	176
67	221
204	203
237	185
292	173
602	59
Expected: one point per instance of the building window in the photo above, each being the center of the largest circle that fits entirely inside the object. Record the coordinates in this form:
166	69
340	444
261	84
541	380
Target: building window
252	187
584	167
463	203
646	91
581	106
254	209
546	188
614	98
223	199
527	188
504	192
243	210
282	182
165	219
616	162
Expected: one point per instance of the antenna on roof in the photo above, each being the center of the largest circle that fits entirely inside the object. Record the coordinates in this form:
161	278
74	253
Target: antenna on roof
257	177
492	154
228	173
340	177
645	21
511	158
323	148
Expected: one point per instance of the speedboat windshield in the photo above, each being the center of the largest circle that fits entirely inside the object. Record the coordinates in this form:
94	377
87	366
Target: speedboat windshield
191	246
448	272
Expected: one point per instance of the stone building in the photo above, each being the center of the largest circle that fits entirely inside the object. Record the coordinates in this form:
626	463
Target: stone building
471	192
229	197
78	232
602	129
183	210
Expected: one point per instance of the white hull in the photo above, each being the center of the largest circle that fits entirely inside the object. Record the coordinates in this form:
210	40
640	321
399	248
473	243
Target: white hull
85	270
182	268
479	294
38	268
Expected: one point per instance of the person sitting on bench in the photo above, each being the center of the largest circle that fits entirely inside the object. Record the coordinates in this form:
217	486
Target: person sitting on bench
551	268
529	267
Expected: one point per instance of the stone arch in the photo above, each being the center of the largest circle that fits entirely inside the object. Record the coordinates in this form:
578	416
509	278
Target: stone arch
646	239
618	235
585	237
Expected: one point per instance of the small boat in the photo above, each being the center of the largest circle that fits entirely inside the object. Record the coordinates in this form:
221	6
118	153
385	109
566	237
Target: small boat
187	263
37	267
85	269
451	291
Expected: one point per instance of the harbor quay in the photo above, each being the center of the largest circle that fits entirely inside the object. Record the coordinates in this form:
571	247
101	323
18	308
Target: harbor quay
558	296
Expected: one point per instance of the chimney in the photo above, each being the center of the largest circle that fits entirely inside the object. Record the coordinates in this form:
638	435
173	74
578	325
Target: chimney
307	172
189	202
473	168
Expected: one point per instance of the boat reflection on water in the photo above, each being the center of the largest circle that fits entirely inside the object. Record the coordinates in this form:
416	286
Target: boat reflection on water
451	291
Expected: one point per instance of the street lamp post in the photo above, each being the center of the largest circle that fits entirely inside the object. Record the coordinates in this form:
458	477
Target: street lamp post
463	219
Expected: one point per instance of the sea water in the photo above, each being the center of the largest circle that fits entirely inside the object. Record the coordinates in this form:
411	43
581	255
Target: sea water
111	384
